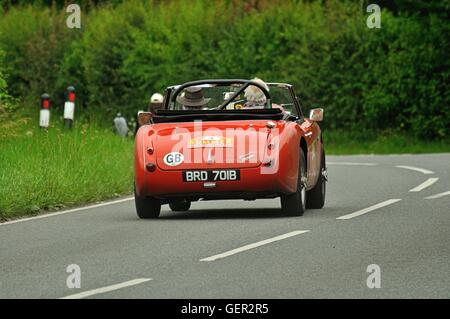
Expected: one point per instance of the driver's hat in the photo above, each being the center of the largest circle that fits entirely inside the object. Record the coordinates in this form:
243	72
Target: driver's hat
192	97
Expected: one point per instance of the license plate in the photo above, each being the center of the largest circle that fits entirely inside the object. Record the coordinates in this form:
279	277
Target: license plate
212	175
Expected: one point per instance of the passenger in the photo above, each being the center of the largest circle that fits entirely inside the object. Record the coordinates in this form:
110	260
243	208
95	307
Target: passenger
193	99
255	96
156	102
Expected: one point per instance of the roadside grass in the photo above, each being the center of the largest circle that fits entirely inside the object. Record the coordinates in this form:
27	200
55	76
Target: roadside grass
47	170
344	143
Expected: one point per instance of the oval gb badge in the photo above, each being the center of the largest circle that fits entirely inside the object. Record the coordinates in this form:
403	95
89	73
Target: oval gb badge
173	159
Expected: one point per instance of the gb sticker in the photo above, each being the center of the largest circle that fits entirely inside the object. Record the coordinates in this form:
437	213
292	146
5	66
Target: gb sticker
173	159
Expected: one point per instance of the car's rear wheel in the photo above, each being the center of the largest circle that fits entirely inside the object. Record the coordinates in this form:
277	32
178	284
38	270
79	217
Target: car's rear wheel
295	204
147	207
316	196
180	206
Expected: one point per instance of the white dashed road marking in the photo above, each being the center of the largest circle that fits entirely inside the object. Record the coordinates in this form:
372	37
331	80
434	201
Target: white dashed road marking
425	184
438	195
369	209
417	169
254	245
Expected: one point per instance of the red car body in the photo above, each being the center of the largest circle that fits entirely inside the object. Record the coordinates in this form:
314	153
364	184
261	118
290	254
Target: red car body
267	153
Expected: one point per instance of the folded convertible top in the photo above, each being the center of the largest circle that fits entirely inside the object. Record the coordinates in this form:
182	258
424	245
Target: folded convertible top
167	116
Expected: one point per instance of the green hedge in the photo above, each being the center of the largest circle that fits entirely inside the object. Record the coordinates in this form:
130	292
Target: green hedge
4	96
3	83
393	78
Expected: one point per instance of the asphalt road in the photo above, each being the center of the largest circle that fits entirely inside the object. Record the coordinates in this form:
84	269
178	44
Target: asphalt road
324	254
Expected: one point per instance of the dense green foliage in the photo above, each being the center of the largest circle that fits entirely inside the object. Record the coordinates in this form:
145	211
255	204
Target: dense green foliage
3	84
396	77
6	103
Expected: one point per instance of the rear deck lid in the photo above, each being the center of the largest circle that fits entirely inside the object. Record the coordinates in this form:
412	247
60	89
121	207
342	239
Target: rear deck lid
205	145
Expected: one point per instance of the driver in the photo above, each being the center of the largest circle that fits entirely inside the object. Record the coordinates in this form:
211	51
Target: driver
255	96
193	99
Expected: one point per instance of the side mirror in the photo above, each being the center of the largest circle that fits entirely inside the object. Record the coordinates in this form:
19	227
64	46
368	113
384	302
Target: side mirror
144	117
316	115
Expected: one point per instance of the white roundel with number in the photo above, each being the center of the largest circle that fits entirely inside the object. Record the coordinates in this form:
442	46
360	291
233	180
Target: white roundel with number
173	159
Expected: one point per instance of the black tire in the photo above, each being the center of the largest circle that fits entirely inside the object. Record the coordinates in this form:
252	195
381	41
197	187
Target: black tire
147	207
316	196
180	206
295	204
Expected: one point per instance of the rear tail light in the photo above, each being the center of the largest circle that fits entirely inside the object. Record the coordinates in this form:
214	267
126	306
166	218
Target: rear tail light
150	167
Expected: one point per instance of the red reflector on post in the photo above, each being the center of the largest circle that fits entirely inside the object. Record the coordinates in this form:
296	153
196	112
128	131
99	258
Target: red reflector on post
45	101
72	96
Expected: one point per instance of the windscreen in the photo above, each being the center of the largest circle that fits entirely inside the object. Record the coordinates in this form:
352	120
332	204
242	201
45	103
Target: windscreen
220	97
282	98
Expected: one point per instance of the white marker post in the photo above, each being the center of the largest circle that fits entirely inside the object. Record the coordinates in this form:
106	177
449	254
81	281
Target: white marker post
44	114
69	107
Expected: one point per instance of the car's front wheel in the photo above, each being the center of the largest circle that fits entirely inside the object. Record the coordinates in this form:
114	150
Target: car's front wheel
295	204
147	207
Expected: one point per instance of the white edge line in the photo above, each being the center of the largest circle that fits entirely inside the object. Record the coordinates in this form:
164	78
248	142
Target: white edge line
425	184
351	164
107	288
417	169
254	245
438	195
369	209
66	211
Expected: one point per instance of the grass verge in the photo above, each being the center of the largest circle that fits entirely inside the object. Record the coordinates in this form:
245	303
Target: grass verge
344	143
42	170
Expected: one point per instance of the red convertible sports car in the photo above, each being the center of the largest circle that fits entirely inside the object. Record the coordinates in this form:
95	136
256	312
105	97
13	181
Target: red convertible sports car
229	139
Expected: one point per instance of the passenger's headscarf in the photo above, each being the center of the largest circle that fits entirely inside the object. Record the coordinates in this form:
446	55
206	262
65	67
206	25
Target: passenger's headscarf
254	95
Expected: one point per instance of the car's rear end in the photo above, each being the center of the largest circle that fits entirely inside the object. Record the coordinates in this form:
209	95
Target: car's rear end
209	160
